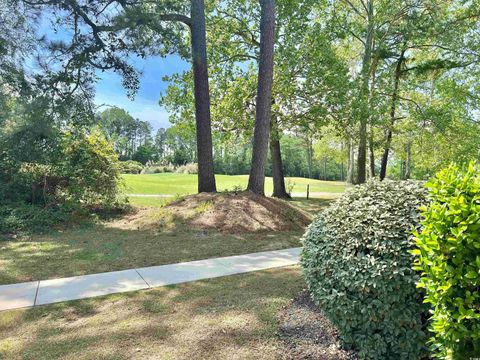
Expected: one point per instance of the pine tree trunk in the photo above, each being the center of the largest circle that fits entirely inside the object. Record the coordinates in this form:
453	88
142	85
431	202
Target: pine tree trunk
351	161
408	160
366	62
256	180
206	176
310	158
371	154
279	189
393	107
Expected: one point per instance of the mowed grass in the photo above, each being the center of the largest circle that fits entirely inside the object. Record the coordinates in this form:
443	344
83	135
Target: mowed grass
232	317
182	184
119	244
98	248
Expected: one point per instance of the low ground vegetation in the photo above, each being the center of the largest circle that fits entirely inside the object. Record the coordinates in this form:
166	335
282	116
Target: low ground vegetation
153	235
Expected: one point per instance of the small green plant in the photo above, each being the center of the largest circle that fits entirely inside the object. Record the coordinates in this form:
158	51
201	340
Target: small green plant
236	189
290	185
204	206
163	218
357	265
449	261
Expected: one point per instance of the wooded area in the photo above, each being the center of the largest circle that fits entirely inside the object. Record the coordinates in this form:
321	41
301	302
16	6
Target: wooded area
344	90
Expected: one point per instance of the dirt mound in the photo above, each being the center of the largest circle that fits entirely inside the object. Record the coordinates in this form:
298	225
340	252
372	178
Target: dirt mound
238	213
308	334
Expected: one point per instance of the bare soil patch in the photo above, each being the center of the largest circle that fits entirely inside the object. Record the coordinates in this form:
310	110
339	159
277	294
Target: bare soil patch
308	334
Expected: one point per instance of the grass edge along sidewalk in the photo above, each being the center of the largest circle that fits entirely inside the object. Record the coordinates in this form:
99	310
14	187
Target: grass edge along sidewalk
30	294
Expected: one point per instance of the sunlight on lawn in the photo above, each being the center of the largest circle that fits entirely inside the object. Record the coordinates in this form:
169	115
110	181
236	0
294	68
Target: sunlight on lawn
181	184
210	319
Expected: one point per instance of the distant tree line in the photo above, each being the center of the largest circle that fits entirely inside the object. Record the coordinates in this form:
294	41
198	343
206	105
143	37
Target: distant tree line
134	139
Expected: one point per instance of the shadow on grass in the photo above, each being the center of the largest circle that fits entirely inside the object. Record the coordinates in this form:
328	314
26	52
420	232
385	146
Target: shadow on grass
215	318
100	248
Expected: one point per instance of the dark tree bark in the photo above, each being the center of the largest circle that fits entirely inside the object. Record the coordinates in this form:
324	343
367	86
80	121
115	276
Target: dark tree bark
371	156
393	107
279	189
256	180
408	161
366	65
309	156
206	176
351	161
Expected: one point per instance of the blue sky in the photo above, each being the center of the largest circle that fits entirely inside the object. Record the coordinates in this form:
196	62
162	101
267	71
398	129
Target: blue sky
109	90
145	106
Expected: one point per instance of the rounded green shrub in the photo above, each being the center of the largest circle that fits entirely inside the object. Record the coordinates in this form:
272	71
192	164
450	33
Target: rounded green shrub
130	167
449	260
358	266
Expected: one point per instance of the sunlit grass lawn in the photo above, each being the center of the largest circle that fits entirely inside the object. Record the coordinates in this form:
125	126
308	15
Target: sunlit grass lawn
172	184
98	248
232	317
119	244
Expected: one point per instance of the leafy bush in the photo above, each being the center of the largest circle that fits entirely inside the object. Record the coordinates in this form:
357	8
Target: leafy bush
357	264
190	168
91	169
158	168
130	167
449	259
30	218
81	173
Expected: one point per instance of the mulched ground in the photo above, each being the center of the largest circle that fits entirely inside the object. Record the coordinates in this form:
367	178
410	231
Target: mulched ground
236	213
308	334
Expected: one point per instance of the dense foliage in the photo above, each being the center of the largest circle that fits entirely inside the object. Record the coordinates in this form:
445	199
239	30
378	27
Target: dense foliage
130	167
449	260
81	173
357	264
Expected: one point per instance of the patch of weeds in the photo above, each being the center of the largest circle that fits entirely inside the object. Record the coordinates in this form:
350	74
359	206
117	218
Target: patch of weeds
291	214
58	349
235	189
179	197
161	332
163	218
204	206
6	347
49	332
84	307
8	319
155	307
290	185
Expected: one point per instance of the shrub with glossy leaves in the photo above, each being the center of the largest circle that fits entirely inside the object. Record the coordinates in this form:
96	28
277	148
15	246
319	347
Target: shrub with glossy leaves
449	259
358	266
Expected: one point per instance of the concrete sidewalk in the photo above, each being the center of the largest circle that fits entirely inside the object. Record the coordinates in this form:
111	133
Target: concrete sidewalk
42	292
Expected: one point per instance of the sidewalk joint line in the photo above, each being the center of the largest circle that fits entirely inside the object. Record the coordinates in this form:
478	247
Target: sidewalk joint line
36	293
143	278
